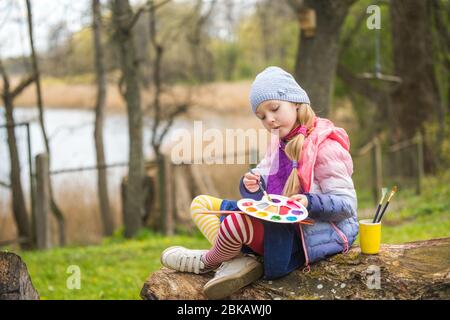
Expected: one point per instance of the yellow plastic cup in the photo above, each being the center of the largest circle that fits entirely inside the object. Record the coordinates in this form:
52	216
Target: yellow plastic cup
369	236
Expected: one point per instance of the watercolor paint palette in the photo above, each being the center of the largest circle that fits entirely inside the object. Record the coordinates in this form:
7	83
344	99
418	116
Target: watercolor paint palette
280	210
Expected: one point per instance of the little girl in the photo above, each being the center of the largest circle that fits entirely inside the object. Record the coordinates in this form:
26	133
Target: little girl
310	163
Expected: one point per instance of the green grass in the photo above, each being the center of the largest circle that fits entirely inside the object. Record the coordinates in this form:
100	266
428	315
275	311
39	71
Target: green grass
413	217
118	267
420	217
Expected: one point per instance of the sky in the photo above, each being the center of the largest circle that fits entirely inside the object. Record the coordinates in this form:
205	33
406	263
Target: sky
49	13
46	13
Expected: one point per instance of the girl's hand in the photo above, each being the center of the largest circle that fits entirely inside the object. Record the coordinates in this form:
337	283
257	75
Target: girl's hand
251	181
300	198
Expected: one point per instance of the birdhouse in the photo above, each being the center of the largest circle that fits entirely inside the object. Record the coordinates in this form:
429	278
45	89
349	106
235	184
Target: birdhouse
307	20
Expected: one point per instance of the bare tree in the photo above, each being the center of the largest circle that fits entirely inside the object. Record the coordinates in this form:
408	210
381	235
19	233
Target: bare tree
317	55
123	20
54	207
159	128
102	183
202	58
18	201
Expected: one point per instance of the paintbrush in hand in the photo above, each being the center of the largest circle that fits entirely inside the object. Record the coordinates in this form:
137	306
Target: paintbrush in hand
383	194
264	191
393	191
261	187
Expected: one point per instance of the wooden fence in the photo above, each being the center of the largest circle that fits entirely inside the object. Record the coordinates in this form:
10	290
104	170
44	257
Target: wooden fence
377	154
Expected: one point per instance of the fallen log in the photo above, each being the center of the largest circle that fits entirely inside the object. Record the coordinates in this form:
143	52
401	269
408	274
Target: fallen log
15	282
415	270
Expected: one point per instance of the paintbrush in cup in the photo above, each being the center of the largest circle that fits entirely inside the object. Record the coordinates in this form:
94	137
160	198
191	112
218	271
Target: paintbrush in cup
383	192
393	191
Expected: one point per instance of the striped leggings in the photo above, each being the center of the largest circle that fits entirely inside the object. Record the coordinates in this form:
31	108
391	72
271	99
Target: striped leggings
229	236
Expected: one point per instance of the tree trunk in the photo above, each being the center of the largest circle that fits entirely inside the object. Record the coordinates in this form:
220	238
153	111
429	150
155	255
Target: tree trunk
415	270
122	16
19	208
34	61
440	9
317	55
416	99
166	195
102	183
15	282
35	67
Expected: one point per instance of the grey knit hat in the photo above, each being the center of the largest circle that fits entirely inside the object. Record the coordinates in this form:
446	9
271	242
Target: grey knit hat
273	83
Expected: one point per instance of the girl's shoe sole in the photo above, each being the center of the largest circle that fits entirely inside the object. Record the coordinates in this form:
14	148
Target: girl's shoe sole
223	288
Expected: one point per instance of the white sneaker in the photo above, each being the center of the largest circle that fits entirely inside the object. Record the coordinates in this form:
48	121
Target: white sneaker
233	275
185	260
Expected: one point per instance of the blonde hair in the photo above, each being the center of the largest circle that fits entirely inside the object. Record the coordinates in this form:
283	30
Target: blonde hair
293	149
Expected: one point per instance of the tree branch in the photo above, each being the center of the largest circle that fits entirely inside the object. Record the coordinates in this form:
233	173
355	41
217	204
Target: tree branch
179	110
145	8
5	80
5	184
22	85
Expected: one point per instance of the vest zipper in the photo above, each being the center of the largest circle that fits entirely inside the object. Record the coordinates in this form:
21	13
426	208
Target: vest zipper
307	268
342	235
